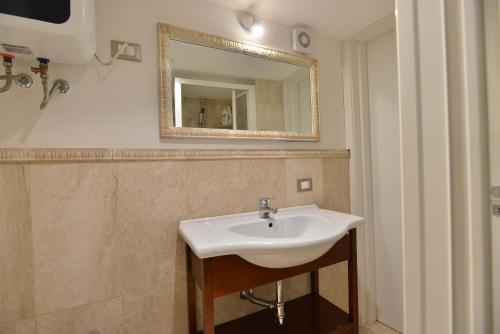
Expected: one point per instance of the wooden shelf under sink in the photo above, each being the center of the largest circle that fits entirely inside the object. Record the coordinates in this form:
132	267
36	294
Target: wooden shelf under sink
311	314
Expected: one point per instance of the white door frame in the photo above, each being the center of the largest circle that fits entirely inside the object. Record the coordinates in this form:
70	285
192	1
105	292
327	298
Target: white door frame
446	252
358	140
427	262
492	41
444	164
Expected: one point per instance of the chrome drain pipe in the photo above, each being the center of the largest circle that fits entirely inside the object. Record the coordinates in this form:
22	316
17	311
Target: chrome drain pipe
279	304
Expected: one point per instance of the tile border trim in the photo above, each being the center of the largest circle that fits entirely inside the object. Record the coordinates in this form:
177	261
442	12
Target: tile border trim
130	154
54	154
19	155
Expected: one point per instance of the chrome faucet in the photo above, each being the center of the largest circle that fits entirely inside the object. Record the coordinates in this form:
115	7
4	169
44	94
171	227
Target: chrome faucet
266	209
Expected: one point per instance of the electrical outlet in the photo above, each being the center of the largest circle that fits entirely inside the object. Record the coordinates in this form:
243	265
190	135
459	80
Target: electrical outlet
304	184
132	52
495	191
128	51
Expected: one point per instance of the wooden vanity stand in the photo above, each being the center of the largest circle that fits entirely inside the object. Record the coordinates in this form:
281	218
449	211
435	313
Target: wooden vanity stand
311	314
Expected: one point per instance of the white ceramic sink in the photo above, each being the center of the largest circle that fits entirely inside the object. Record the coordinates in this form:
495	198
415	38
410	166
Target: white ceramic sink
298	235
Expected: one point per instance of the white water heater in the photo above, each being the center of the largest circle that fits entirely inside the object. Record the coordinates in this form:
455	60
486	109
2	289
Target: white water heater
60	30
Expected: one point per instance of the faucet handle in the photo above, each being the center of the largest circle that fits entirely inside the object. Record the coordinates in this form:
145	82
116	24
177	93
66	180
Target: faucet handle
42	60
43	66
265	201
7	57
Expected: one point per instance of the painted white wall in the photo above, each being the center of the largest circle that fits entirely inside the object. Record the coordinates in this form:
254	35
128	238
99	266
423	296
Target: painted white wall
118	107
386	178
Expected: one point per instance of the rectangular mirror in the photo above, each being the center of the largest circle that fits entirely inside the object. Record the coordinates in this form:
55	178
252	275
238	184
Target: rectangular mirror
217	88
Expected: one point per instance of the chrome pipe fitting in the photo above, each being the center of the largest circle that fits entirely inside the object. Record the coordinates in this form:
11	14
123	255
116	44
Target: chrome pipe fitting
279	304
249	295
60	85
7	64
22	80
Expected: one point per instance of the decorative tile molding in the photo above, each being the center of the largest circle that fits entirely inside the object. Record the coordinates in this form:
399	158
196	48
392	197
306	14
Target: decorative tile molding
131	154
13	155
55	154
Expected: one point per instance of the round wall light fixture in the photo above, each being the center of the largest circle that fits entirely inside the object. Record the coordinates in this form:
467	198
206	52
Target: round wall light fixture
250	24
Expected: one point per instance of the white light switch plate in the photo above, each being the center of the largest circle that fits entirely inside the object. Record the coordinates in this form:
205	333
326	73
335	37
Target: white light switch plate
304	184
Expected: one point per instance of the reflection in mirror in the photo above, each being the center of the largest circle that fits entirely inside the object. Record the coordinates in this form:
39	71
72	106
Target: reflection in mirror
220	89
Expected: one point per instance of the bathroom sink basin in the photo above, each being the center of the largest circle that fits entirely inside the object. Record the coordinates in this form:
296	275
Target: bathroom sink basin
293	237
289	227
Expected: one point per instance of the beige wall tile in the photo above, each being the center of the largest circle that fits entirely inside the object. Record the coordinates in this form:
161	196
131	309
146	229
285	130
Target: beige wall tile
151	201
107	230
104	317
297	286
333	280
16	263
300	169
334	285
27	326
336	184
74	234
269	105
232	186
164	312
270	118
232	306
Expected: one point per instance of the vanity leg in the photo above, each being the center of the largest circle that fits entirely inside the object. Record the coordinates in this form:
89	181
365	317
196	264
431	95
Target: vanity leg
315	282
191	293
208	298
353	283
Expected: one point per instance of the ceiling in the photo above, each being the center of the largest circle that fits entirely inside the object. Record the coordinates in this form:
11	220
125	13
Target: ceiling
337	19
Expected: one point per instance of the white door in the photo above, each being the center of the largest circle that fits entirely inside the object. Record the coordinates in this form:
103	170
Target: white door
386	178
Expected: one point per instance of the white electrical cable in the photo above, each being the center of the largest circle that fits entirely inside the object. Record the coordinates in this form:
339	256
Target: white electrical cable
111	62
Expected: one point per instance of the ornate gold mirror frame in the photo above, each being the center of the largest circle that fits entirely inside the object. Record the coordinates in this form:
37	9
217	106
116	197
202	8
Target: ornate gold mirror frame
167	33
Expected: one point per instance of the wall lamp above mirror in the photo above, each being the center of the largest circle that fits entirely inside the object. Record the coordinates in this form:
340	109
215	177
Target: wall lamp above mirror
250	24
212	87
